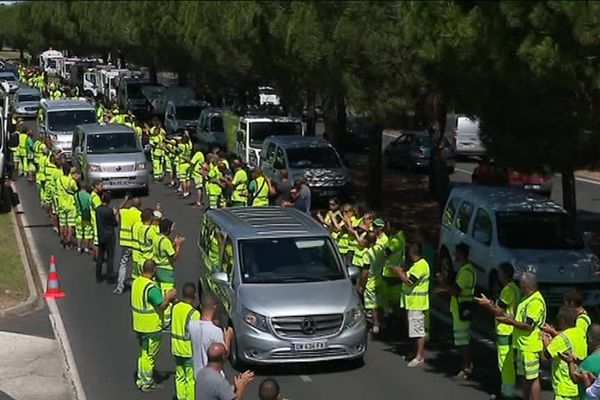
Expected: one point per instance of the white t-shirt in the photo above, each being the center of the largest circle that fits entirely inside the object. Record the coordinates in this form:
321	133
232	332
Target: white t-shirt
203	334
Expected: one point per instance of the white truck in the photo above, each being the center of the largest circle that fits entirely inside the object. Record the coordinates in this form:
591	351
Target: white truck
245	134
53	62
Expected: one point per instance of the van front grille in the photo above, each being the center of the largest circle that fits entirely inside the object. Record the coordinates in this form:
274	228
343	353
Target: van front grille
307	326
118	168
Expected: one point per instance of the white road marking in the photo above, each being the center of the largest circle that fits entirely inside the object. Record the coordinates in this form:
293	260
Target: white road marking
587	181
56	321
464	171
306	378
558	176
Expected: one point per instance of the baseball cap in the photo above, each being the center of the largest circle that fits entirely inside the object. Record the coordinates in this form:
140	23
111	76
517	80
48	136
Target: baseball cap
157	214
379	222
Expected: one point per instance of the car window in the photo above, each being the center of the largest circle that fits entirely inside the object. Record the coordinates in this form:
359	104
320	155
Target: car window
279	162
450	211
404	139
227	259
270	153
482	230
464	216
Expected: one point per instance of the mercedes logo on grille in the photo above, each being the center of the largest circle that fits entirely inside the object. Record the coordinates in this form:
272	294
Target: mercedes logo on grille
118	168
308	326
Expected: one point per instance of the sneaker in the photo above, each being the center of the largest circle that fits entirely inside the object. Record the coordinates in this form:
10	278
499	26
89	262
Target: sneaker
463	374
80	250
118	291
375	330
415	363
151	388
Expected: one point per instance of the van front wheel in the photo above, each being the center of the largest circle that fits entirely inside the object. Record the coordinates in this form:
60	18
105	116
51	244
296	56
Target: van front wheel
234	357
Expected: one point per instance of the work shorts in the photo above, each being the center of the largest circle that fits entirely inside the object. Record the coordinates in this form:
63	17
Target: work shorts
528	364
416	324
83	229
67	217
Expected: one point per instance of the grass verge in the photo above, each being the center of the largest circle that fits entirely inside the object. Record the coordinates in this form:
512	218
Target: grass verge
13	283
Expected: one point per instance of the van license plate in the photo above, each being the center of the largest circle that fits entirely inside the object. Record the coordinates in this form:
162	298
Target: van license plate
119	182
309	346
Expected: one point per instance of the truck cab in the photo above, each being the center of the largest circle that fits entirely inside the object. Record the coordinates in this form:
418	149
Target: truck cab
246	134
182	115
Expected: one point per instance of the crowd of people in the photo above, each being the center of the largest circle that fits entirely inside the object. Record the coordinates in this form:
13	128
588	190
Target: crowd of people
394	274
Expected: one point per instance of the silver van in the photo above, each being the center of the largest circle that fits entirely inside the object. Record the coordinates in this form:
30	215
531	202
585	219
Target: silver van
111	153
59	119
306	156
528	231
283	286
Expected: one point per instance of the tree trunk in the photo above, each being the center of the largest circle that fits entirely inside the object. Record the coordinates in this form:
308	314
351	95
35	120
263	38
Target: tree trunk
439	181
312	113
21	54
153	74
182	78
340	119
375	186
568	189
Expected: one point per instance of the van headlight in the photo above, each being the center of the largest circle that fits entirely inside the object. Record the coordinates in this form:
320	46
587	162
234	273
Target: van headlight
526	268
140	166
353	316
20	109
94	168
53	137
256	320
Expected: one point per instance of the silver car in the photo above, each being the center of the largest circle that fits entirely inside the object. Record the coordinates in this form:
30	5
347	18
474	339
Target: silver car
412	149
27	102
467	135
10	77
310	157
111	153
283	286
528	231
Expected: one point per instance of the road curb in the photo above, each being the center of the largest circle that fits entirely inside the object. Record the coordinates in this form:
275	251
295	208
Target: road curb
58	327
33	301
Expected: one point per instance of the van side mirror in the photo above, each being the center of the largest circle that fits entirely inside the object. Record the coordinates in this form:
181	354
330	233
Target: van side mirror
170	115
77	149
220	278
240	136
353	273
147	148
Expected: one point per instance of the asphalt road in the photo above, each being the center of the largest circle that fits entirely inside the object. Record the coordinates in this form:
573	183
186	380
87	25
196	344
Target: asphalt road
98	325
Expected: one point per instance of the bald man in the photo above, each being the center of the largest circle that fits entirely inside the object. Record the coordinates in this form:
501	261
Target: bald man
269	390
128	218
210	383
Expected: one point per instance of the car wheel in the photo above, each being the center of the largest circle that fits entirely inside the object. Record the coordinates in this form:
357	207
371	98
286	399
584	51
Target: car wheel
357	363
143	192
234	357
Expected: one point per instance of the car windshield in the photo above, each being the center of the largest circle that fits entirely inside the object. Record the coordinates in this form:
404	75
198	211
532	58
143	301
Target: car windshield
538	230
65	121
112	143
216	124
134	91
188	112
289	260
259	131
8	76
28	97
313	157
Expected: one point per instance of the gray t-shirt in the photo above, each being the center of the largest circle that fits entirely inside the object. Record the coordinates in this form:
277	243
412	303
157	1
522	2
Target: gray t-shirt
210	385
302	202
202	335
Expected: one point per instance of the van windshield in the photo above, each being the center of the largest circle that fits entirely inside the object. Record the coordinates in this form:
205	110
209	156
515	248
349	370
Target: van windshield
28	97
216	124
188	112
313	157
65	121
289	260
536	230
259	131
112	143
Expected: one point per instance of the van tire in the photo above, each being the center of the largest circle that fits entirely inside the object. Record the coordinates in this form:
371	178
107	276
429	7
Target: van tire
234	358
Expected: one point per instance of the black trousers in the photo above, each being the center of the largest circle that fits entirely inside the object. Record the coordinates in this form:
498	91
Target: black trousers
106	252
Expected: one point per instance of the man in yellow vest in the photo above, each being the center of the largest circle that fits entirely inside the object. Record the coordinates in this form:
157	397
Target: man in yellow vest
239	185
165	252
22	150
128	217
143	233
461	293
66	188
155	138
214	183
181	345
184	155
147	307
95	202
527	323
259	189
197	167
507	301
570	340
415	288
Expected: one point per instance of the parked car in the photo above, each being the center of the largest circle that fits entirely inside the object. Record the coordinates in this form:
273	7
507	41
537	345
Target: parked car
412	150
59	119
209	130
284	287
467	135
312	157
111	153
10	77
486	173
528	231
27	102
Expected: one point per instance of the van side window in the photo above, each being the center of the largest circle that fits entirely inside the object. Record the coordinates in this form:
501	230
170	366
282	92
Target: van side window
227	260
270	153
279	162
464	216
450	212
482	230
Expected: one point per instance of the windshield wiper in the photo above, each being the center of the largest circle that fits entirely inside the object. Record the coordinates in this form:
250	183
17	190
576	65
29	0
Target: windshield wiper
303	278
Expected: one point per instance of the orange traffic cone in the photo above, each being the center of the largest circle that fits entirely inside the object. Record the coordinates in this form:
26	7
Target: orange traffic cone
53	288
